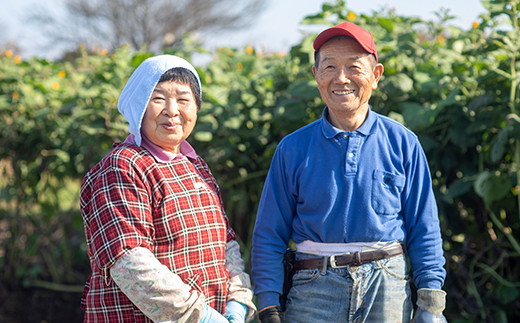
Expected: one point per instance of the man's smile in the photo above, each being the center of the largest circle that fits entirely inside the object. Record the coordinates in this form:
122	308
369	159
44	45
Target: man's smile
343	92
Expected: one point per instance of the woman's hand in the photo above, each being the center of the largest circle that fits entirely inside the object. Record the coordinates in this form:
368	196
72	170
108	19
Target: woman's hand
212	316
235	312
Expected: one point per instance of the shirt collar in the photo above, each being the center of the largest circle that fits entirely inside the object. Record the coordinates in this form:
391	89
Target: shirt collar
329	131
185	150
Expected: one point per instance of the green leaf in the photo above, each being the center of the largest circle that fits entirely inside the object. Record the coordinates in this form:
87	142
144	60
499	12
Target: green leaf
93	129
492	186
499	315
499	146
493	7
461	137
507	294
417	116
234	122
480	101
386	23
457	188
204	136
304	90
399	85
422	77
58	153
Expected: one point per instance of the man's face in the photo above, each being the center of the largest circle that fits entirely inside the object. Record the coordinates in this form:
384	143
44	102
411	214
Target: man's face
346	76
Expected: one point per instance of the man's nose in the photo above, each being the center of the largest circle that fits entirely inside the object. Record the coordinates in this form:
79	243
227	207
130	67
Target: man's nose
343	76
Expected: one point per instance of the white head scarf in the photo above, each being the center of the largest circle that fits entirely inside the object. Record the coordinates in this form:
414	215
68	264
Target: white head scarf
138	90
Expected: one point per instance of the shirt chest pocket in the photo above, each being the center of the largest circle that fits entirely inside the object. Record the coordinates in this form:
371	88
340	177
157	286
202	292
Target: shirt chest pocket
386	192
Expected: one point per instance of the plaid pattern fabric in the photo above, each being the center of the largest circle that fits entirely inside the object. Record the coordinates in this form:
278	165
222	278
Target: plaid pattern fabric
174	209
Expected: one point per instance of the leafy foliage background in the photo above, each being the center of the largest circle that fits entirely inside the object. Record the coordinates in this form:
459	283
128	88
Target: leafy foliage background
456	89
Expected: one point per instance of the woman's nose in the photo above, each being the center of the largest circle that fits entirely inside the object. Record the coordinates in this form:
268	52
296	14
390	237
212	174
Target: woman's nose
171	109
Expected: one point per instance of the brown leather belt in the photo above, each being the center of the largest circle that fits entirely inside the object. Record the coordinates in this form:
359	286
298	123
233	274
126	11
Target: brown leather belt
353	259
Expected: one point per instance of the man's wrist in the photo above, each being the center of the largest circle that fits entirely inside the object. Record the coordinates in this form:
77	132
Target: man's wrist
431	300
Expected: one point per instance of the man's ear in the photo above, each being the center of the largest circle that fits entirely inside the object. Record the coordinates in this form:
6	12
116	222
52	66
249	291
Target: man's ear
378	72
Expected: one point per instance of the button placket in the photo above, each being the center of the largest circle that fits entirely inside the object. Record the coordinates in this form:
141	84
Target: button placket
353	144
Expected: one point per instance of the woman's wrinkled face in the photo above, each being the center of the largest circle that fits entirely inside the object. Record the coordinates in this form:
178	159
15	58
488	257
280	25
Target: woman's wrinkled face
170	115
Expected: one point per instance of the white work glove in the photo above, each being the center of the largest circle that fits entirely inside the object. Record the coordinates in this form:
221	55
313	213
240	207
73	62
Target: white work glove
210	315
430	303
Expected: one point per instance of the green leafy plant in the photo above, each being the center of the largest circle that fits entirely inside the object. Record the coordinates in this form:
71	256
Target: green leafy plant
457	89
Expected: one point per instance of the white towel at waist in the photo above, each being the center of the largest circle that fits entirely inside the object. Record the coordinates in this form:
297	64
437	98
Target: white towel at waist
329	249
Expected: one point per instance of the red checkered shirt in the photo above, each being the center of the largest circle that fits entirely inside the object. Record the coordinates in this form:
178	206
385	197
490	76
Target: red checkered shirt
174	209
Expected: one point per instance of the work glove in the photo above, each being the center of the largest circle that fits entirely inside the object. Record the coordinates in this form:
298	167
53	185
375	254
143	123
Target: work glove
210	315
430	303
235	312
270	315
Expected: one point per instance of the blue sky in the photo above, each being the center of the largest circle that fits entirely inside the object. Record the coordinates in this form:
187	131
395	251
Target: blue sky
276	29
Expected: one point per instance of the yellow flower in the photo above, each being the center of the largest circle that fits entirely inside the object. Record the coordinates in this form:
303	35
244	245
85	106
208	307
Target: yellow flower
440	38
62	74
104	52
15	96
240	66
221	49
351	16
250	50
475	24
17	59
230	53
8	53
55	86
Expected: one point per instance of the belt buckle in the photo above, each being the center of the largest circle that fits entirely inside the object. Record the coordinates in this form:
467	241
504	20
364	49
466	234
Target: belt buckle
332	261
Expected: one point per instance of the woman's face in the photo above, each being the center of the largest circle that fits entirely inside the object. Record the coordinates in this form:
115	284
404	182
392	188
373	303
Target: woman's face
170	115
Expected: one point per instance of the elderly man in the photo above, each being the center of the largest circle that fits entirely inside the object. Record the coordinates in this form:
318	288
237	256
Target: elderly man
353	191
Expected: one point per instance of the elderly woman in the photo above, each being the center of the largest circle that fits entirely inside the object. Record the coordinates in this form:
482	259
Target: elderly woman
159	242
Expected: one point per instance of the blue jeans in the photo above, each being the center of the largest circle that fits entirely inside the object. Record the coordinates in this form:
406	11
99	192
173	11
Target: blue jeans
378	291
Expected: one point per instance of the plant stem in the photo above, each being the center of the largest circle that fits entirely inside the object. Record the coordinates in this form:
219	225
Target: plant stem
512	92
517	161
512	102
506	231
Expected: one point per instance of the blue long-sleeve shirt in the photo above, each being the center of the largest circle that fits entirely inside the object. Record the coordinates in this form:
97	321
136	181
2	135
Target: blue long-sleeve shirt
331	186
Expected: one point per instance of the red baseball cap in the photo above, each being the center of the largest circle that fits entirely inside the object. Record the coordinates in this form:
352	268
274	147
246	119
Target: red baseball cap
363	37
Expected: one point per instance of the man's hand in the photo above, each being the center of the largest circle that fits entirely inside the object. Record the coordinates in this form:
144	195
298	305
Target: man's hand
270	314
426	317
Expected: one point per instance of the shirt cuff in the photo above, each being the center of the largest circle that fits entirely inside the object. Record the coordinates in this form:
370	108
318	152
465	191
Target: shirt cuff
268	299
